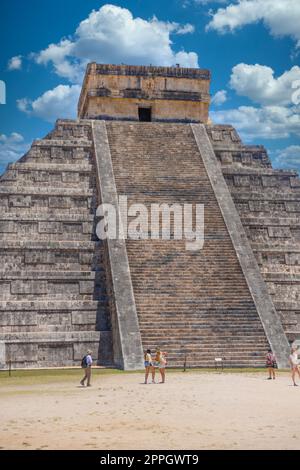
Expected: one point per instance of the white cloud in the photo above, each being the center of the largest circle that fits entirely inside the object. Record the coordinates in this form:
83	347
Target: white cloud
205	2
281	17
219	98
257	82
15	63
185	29
112	35
287	158
12	147
59	102
108	35
269	122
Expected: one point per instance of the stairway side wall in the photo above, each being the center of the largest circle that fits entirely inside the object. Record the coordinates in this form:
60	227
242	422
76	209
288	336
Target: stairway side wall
189	303
127	345
53	298
264	305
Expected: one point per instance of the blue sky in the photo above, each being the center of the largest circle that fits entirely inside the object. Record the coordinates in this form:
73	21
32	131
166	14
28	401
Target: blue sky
251	47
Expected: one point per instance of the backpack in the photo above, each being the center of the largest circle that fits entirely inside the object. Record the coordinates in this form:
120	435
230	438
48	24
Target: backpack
84	362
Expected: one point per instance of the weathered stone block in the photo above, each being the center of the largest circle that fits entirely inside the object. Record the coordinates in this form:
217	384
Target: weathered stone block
292	259
70	177
7	226
81	348
19	201
295	182
4	288
216	135
44	153
59	202
68	288
50	227
269	181
85	258
241	180
234	136
72	228
2	354
87	227
86	287
259	206
226	157
279	232
246	158
57	353
18	318
21	352
60	319
39	257
84	318
57	153
292	206
79	153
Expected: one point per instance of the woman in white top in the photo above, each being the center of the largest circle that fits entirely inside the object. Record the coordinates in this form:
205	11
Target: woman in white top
294	362
161	364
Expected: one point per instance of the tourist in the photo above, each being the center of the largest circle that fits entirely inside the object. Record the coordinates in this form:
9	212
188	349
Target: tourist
271	364
149	366
161	362
294	362
86	364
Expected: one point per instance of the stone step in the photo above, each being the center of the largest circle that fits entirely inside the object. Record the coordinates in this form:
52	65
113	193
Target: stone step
26	215
44	349
285	221
52	260
57	337
267	194
45	305
282	277
40	245
259	172
70	142
56	179
181	327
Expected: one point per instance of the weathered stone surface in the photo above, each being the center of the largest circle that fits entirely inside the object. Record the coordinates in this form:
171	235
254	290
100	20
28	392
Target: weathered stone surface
127	345
62	292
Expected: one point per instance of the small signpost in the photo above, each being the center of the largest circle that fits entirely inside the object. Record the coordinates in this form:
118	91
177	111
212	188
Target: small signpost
219	362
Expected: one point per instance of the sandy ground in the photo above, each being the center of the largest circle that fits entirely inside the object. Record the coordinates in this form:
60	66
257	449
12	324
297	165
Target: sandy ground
191	411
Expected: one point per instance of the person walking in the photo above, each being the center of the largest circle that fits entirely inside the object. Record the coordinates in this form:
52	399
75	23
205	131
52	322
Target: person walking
149	367
86	364
271	364
161	361
294	362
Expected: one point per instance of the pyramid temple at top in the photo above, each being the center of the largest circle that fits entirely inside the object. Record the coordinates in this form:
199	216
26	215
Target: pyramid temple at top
144	132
